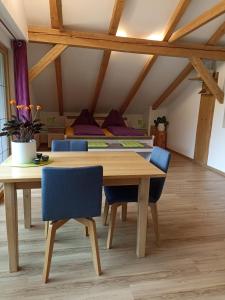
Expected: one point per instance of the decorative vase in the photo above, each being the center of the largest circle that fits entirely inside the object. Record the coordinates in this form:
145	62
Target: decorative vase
23	153
161	127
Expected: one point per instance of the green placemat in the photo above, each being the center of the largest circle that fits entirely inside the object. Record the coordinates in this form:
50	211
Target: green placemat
131	144
97	144
8	162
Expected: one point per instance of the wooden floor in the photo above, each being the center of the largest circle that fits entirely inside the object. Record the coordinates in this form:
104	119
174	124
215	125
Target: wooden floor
190	264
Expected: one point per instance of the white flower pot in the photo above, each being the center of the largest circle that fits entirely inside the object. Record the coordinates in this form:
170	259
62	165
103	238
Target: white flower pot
161	127
23	153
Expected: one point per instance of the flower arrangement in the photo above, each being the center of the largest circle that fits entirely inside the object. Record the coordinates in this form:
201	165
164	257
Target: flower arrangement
24	124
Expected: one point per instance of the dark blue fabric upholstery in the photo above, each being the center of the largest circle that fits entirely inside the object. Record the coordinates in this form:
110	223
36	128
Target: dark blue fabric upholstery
71	192
69	145
161	159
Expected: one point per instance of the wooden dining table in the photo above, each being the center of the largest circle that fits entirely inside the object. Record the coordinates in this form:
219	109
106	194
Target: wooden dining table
119	168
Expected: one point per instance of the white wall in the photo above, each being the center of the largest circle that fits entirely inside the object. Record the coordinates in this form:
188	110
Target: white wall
4	39
182	114
13	14
216	157
6	42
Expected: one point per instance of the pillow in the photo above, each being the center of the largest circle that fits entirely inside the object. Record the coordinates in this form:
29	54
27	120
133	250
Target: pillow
85	118
114	118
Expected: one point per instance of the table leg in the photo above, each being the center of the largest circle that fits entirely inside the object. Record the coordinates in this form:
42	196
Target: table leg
27	208
143	194
12	225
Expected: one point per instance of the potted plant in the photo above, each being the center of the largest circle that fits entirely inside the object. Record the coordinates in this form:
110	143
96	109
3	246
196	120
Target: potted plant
161	123
22	127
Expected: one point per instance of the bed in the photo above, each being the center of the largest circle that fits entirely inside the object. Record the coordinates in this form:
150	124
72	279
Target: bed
113	127
115	124
85	125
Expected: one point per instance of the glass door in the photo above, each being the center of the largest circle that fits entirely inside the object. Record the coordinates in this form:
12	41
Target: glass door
4	144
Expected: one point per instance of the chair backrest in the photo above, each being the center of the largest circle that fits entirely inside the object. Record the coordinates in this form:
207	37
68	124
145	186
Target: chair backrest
65	194
60	145
161	159
69	145
78	145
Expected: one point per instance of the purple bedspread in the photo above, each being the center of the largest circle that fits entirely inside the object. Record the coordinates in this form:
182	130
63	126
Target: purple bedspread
87	130
124	131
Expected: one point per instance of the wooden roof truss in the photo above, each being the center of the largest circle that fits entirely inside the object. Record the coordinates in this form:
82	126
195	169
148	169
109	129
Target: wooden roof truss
61	39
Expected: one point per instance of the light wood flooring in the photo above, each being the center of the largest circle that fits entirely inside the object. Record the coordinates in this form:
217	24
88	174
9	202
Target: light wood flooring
190	264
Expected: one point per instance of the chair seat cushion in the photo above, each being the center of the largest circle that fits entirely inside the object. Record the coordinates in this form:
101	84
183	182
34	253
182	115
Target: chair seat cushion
121	193
129	193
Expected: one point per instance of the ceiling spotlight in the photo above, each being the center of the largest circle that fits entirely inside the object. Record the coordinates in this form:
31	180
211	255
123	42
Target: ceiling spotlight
155	37
121	33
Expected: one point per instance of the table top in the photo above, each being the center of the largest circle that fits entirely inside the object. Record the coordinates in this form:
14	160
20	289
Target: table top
115	165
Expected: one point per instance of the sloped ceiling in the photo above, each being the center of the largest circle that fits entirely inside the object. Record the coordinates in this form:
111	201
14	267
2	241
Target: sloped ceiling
140	18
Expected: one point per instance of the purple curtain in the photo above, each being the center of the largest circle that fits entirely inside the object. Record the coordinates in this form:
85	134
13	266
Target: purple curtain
21	77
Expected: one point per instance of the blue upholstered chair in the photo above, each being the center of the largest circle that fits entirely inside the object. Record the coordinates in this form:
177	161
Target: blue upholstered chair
69	145
121	195
64	197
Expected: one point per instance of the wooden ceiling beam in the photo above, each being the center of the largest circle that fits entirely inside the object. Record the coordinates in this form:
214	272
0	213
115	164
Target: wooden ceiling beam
174	20
57	23
214	39
124	44
207	78
217	35
48	58
116	16
201	20
56	14
114	24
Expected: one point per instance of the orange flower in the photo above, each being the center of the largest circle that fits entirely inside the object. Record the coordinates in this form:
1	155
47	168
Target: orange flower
19	106
26	108
12	102
31	106
38	107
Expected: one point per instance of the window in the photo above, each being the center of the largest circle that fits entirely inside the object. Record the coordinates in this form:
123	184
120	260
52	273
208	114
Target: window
4	144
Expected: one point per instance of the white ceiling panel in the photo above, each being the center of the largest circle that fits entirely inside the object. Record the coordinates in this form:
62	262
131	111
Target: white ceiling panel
37	12
162	74
89	15
43	87
121	73
79	71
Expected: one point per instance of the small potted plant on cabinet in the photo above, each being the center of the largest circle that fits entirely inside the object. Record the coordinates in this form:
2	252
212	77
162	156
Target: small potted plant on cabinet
161	123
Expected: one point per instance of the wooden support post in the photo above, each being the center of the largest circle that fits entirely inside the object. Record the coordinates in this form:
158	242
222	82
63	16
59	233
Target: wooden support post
207	78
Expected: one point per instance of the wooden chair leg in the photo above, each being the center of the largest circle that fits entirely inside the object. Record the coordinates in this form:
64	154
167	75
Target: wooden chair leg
112	224
94	246
53	226
46	229
90	223
48	251
86	231
105	213
124	212
155	222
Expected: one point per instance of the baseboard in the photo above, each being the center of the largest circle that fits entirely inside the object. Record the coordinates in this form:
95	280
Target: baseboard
184	156
215	170
204	166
